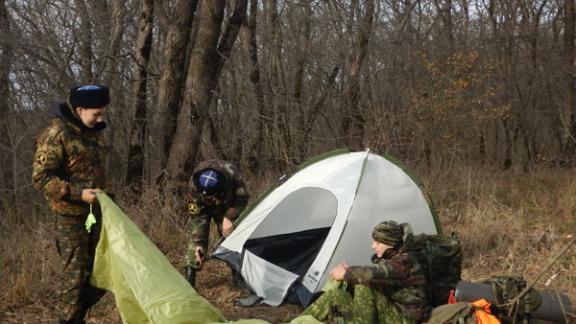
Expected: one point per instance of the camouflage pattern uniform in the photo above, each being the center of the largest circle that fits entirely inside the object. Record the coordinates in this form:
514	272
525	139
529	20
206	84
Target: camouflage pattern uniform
69	158
391	291
202	208
364	306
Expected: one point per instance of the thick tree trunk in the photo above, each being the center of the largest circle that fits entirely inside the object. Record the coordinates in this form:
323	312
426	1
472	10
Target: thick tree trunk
135	173
444	8
277	88
262	116
113	51
230	34
207	60
6	157
108	73
84	35
304	39
353	120
171	83
300	151
567	114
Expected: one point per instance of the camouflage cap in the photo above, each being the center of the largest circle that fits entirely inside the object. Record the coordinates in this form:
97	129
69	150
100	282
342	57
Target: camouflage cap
388	232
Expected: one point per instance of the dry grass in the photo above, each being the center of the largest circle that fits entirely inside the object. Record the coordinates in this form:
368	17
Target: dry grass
508	222
512	223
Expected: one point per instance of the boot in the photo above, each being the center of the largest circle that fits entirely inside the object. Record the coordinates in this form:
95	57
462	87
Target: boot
191	276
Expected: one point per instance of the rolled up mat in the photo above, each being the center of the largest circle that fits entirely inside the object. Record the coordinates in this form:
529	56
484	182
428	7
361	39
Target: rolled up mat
552	307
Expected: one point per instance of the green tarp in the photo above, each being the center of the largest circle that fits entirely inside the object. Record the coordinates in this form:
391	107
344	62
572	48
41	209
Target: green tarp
147	288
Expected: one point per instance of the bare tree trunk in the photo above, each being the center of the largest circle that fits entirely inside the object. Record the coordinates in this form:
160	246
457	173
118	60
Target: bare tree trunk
85	37
304	43
263	117
230	34
466	14
277	87
6	56
315	109
108	73
135	173
567	114
113	52
301	61
171	82
354	123
206	63
444	8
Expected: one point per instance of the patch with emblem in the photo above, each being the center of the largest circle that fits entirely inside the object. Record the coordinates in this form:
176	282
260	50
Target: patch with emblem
41	159
193	209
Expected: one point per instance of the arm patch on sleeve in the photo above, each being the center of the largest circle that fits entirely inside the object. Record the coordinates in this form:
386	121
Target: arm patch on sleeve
41	159
193	209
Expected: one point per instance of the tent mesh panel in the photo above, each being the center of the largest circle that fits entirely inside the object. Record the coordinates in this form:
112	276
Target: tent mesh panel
294	252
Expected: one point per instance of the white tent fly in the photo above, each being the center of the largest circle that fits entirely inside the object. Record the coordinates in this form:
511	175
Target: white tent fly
321	215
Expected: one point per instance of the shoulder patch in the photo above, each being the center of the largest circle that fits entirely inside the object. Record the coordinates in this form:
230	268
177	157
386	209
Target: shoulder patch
41	159
193	209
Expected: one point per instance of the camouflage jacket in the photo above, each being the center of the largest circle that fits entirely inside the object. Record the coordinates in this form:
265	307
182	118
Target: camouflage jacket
235	193
69	158
399	277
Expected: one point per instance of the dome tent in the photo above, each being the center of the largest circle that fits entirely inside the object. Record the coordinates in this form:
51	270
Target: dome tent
322	214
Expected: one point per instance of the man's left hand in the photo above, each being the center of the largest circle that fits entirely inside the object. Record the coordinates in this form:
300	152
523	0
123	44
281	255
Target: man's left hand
227	227
231	213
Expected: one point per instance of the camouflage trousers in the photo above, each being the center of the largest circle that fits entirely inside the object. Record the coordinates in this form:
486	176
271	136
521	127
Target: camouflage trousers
76	248
365	307
199	232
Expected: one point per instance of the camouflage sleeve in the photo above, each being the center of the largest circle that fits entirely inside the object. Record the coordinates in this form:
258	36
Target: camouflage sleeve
240	201
386	273
48	174
198	224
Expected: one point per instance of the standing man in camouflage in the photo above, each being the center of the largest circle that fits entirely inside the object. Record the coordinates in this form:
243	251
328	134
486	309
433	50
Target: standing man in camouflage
218	193
391	291
69	169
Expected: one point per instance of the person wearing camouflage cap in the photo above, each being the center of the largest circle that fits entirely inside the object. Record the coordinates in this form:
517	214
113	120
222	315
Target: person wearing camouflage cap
390	291
216	192
69	169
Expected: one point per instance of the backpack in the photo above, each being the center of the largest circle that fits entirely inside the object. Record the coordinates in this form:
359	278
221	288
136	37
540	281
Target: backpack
441	260
504	289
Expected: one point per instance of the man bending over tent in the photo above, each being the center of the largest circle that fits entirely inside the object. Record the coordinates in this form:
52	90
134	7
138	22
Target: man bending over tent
391	291
216	192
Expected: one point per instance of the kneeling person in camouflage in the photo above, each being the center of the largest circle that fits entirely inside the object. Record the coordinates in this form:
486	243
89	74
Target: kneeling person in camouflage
390	291
218	193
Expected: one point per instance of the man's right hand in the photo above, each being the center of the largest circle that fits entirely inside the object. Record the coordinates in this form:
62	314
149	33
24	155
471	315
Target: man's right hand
339	271
89	195
199	253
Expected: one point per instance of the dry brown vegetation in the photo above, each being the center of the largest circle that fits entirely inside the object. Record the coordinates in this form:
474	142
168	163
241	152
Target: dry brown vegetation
469	92
509	223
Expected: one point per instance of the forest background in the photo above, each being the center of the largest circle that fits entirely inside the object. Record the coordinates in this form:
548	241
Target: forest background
477	97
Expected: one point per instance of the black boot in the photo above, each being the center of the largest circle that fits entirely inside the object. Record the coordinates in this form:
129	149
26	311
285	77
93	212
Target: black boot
191	276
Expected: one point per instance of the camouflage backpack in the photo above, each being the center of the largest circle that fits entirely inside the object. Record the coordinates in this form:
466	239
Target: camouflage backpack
441	260
504	289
